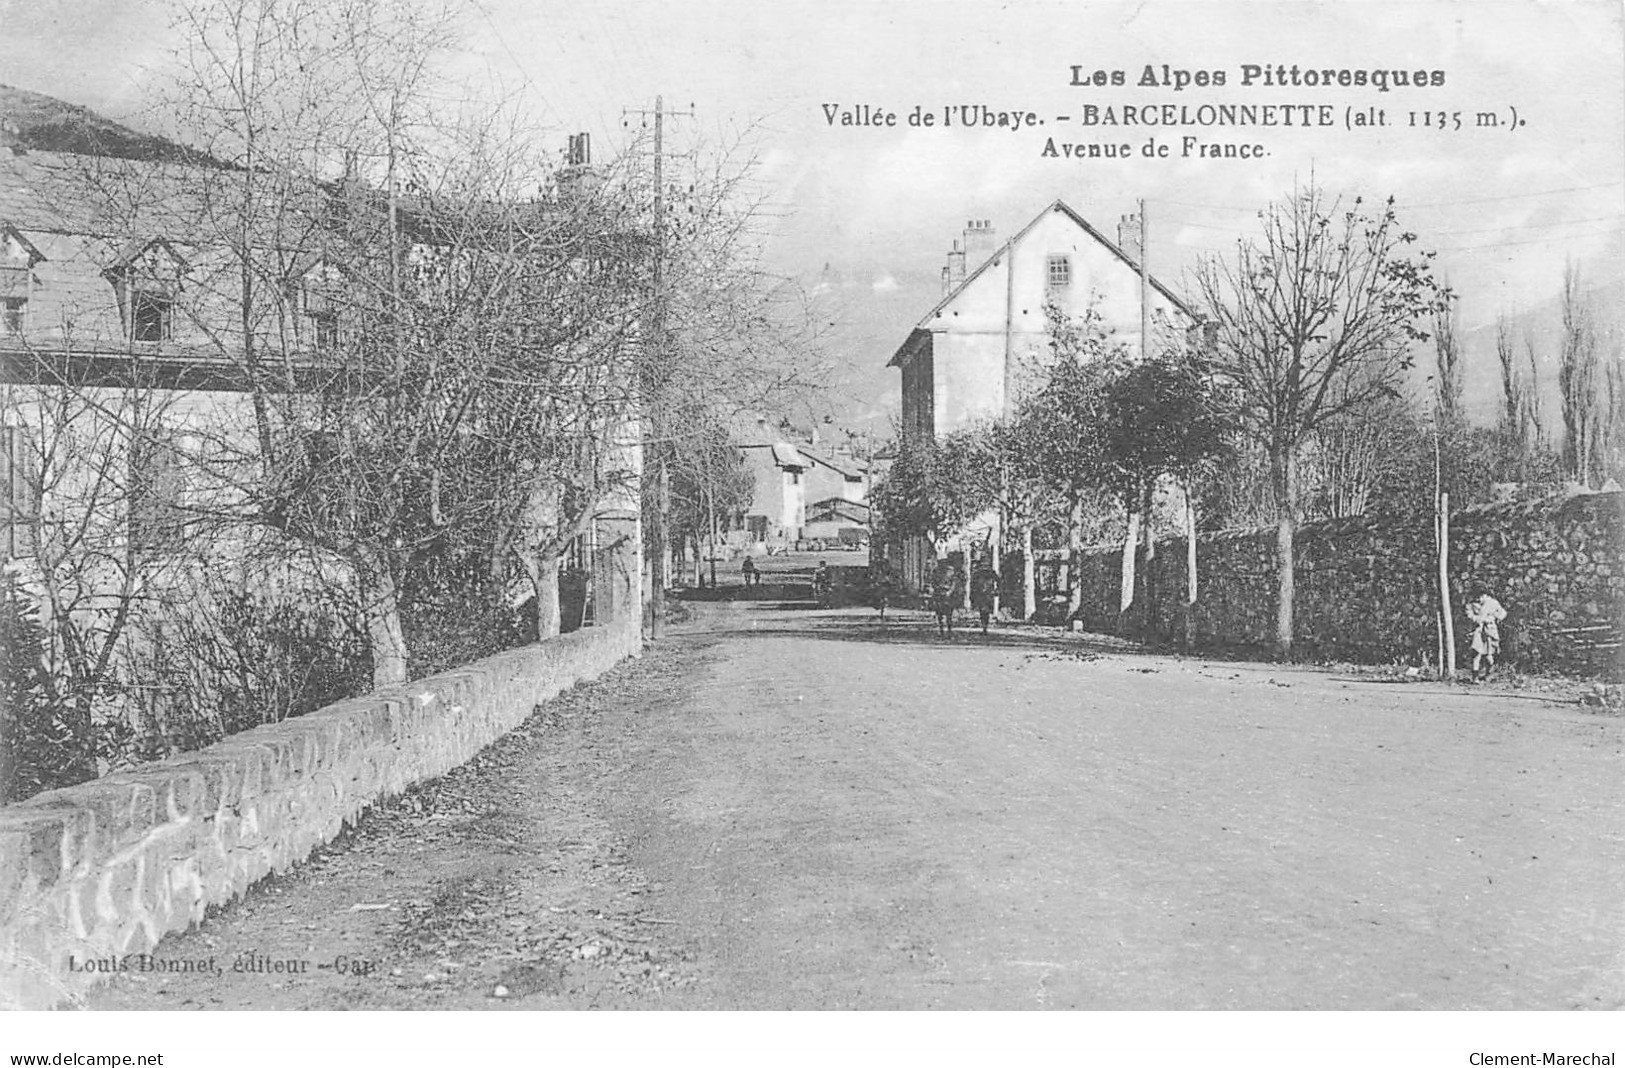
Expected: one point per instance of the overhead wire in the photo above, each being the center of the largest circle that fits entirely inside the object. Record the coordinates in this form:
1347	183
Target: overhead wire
1406	205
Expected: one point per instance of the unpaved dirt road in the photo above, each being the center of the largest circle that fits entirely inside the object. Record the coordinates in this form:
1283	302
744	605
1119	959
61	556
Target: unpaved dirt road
798	809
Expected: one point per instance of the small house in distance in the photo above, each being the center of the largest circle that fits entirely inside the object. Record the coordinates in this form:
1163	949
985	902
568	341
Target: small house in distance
838	523
798	482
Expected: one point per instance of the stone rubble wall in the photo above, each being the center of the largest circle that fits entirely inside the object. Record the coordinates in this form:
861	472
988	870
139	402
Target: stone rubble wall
106	868
1367	586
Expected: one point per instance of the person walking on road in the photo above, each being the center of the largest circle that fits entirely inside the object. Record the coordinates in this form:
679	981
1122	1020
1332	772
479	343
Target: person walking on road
883	586
823	585
984	591
947	591
752	576
1486	614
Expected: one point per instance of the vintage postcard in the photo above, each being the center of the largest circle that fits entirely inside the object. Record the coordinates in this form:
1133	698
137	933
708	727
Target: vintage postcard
679	508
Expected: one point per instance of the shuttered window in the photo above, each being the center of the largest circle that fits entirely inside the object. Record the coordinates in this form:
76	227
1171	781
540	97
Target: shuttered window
19	496
157	518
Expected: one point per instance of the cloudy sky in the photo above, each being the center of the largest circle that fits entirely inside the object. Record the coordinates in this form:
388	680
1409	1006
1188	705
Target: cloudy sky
863	215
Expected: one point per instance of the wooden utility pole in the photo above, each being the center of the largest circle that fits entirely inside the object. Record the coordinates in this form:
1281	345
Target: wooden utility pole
655	355
1145	283
1441	533
1137	520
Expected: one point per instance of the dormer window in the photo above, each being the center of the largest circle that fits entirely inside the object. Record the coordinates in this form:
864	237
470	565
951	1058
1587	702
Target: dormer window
320	326
152	316
1059	274
146	278
17	259
315	298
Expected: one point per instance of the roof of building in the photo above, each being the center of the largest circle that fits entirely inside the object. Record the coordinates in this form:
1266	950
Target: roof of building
787	455
832	507
923	326
783	453
847	470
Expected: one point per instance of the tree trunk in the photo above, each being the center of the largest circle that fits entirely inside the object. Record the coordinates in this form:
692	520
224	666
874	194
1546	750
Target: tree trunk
1131	541
1285	471
713	554
1029	585
1190	566
381	604
1190	544
1148	592
81	764
1074	569
8	760
544	579
659	551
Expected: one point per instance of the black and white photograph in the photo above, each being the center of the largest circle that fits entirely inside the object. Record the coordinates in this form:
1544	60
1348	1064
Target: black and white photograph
870	530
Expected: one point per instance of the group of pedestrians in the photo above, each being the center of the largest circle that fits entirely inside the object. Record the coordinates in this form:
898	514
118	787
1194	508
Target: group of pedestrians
945	592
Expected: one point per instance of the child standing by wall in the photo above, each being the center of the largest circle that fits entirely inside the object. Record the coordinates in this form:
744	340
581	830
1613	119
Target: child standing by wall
1486	614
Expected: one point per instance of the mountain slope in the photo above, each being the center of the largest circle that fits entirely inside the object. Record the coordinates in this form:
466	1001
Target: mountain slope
43	123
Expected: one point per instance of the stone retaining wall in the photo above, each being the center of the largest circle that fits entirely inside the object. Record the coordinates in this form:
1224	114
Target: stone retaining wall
1366	586
104	869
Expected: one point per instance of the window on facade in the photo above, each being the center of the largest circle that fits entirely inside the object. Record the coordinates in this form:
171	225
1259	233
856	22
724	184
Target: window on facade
157	518
12	315
19	496
318	296
152	316
324	329
1060	272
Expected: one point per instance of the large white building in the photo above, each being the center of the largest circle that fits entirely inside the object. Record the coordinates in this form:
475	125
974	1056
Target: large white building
966	358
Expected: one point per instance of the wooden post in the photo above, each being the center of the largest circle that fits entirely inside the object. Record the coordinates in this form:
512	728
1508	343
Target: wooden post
1447	663
1190	543
715	538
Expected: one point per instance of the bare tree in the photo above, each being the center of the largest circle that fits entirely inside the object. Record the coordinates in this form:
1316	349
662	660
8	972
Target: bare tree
1003	470
1314	318
1582	393
108	548
454	353
1448	368
1070	413
436	342
1612	447
1534	410
1512	422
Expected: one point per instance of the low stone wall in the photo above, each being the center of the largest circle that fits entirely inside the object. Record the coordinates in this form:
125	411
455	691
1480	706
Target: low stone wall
1366	586
93	872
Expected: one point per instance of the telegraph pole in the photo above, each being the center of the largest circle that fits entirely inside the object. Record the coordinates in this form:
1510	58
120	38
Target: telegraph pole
1145	283
659	540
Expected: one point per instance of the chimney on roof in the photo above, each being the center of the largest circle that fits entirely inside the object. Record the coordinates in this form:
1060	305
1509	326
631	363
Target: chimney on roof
1128	236
980	240
954	273
578	179
975	245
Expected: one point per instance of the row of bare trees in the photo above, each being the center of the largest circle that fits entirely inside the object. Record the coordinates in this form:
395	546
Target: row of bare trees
1298	402
447	360
1302	401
